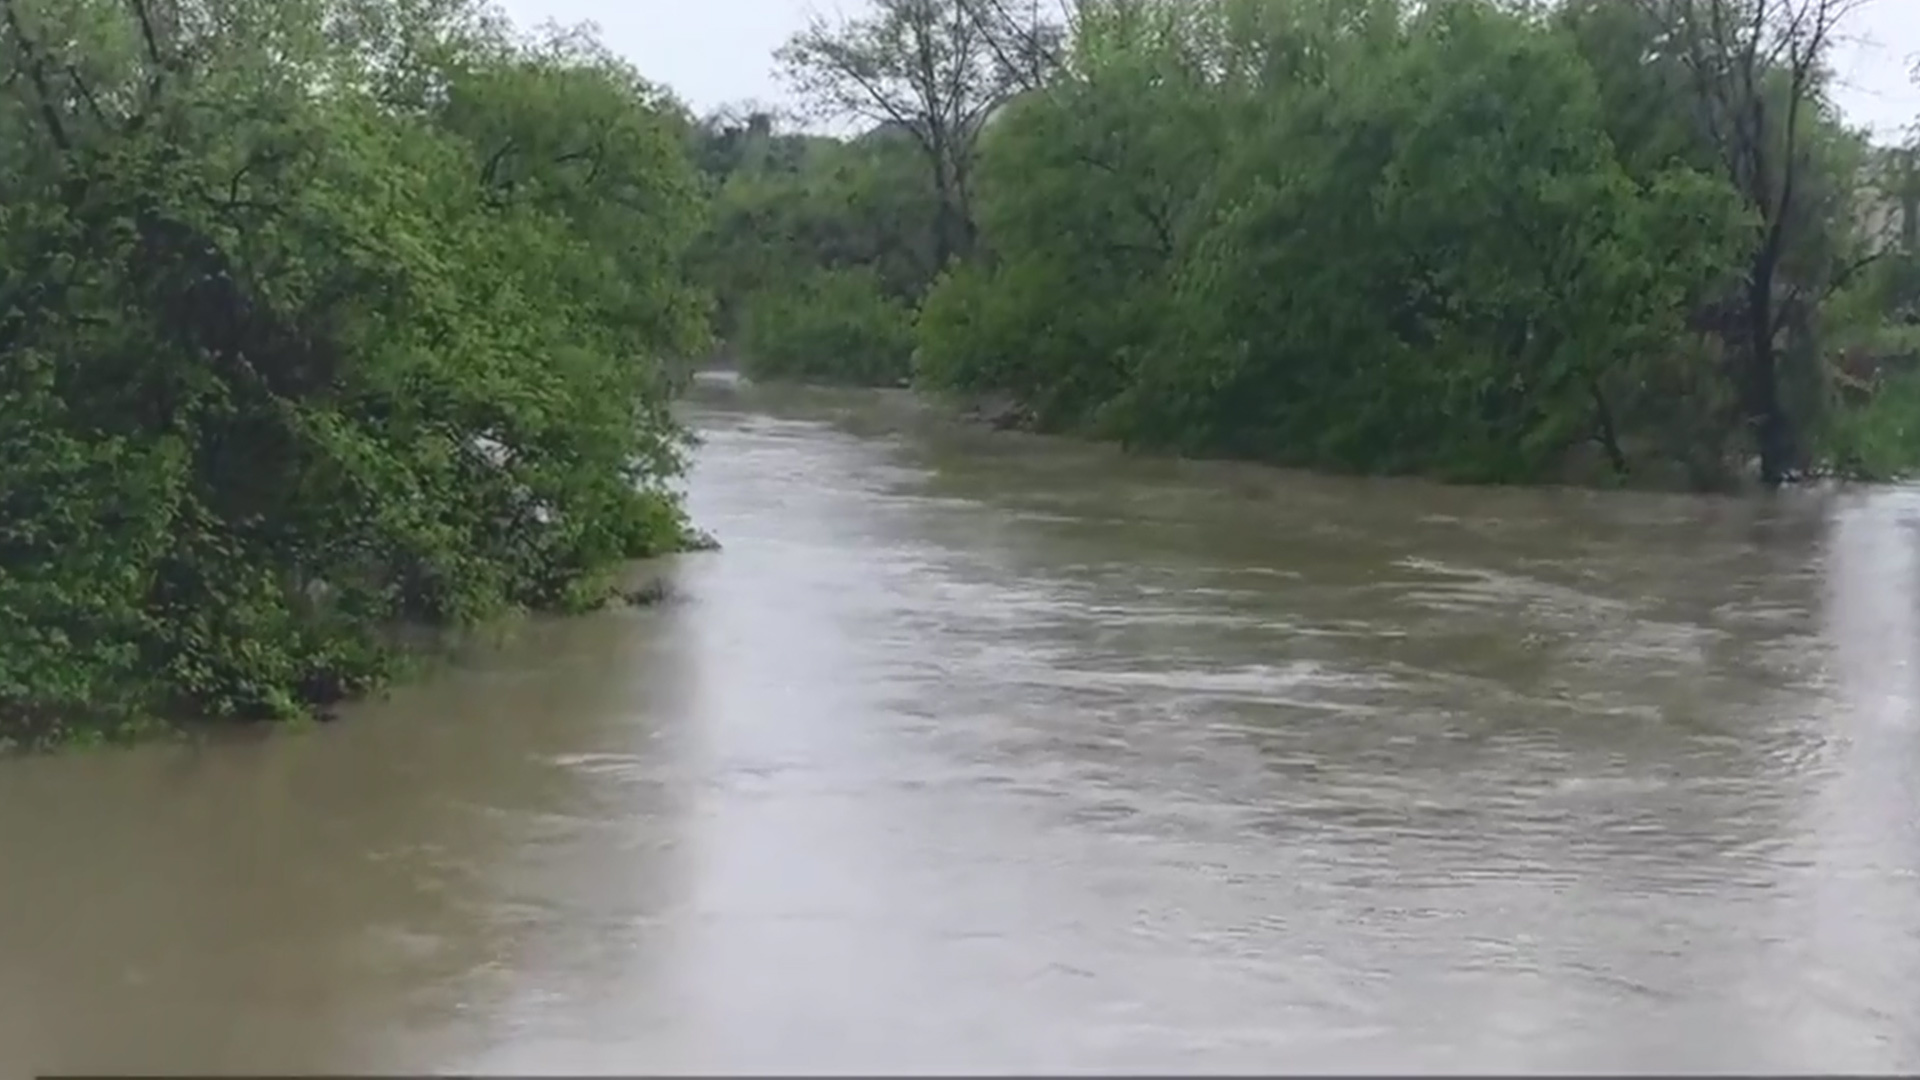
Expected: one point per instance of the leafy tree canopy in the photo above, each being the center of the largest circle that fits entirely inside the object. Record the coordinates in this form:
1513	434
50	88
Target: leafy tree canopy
319	317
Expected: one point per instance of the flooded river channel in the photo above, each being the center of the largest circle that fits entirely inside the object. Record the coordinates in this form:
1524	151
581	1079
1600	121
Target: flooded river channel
976	751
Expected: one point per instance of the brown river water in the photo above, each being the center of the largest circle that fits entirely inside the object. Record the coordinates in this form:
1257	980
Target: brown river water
976	751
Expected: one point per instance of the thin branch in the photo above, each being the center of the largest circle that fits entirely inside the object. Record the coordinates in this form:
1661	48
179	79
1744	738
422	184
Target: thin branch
86	93
36	71
147	32
489	173
597	154
816	51
150	35
1155	215
1847	273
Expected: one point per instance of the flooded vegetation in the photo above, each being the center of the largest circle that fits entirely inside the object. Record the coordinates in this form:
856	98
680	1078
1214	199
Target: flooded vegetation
329	328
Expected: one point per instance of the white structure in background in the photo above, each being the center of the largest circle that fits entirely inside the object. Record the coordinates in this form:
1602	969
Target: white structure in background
1890	199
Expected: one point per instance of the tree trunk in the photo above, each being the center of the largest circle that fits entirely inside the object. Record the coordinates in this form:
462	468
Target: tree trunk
1772	432
944	245
1608	432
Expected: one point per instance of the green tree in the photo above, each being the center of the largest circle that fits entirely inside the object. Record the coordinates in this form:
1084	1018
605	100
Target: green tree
928	69
317	316
828	326
795	219
1348	233
1090	191
1749	81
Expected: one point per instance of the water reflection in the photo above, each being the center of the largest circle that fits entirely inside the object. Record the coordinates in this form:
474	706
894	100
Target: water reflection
1855	936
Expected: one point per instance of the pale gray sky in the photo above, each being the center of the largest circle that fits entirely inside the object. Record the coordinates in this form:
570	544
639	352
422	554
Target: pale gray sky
713	52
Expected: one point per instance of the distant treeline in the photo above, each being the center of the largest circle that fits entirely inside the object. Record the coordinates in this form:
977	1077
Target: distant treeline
1605	240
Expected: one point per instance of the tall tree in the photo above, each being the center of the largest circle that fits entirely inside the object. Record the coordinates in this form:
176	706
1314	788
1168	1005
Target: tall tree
1755	70
927	68
1028	37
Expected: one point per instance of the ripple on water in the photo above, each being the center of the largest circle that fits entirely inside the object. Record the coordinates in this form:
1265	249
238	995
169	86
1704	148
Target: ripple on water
1274	683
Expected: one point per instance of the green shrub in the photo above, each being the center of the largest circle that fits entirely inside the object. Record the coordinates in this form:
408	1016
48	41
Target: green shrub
1879	439
828	326
305	335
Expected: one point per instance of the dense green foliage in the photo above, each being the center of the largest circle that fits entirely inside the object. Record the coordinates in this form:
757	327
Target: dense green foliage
1383	241
1476	239
318	318
815	251
890	207
828	326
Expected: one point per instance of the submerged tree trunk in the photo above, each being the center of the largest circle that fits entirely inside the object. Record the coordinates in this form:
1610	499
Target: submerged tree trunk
1756	68
1773	433
1608	433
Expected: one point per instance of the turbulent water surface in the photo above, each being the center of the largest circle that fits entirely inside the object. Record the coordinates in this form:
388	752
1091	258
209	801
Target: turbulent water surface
975	751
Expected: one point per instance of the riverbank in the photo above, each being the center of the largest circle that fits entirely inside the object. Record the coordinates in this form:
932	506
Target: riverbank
1587	466
416	651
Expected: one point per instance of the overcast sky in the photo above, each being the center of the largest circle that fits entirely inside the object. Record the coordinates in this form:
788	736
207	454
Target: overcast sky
715	52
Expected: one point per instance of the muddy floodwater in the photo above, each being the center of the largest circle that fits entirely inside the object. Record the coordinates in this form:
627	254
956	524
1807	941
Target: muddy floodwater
976	751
